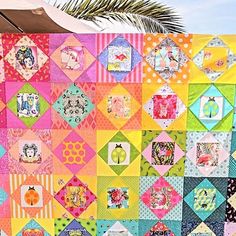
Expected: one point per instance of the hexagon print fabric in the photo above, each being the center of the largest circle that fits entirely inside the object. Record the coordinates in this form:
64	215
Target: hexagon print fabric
110	134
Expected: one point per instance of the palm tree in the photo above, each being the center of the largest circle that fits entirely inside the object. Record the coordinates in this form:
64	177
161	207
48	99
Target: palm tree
146	15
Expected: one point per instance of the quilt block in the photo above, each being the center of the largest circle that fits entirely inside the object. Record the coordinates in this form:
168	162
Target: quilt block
117	135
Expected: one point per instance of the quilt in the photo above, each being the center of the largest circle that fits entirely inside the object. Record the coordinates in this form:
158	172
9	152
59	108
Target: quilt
117	135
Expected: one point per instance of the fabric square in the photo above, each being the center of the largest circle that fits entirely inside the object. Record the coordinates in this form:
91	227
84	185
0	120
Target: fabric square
119	153
75	196
215	59
161	154
25	58
206	200
30	196
118	105
163	107
30	105
166	58
64	227
121	195
117	198
73	58
119	58
73	106
84	119
73	152
30	151
212	61
170	189
161	198
210	107
208	154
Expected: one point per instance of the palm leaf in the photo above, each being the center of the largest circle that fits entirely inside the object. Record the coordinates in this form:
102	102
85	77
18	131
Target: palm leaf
145	15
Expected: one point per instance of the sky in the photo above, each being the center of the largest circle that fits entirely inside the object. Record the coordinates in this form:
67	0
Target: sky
207	16
199	16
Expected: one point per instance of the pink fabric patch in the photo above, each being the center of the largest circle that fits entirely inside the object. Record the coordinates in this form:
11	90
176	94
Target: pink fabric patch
75	211
178	153
164	106
161	198
83	156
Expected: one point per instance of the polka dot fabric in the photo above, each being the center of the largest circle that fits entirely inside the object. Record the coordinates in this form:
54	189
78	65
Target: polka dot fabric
151	42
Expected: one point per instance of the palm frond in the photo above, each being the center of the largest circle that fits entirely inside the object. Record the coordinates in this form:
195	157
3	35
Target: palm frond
145	15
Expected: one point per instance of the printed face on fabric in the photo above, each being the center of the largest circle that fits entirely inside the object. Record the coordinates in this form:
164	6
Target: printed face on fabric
117	135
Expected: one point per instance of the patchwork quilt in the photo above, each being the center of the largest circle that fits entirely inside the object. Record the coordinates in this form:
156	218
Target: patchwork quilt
117	135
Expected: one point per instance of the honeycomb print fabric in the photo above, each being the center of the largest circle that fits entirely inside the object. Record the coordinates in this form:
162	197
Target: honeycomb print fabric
117	135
